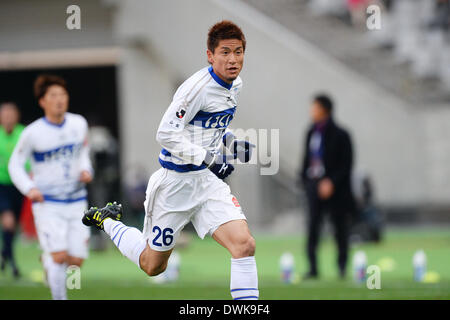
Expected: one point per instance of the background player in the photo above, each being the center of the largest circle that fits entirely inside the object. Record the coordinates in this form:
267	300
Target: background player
189	187
10	198
57	146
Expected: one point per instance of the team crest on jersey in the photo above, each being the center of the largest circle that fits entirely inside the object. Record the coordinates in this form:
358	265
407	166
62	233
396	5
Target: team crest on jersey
180	113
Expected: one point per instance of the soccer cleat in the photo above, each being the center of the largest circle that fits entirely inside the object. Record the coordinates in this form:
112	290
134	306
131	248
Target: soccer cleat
16	273
95	217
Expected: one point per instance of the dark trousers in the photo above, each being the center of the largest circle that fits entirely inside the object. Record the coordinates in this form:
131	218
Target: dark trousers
10	200
339	219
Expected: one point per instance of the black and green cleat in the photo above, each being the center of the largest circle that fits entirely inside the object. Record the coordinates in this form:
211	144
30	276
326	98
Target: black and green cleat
94	217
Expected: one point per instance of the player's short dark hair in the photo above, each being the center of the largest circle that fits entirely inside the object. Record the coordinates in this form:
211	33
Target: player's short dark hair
222	30
325	101
10	104
44	81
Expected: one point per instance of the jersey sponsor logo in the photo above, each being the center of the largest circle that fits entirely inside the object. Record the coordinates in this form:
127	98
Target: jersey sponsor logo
69	151
213	120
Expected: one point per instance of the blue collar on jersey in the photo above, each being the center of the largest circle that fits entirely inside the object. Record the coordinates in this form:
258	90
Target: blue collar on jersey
54	124
218	80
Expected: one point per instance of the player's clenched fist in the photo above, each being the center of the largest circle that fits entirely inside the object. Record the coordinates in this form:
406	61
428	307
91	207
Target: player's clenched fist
217	163
240	149
85	176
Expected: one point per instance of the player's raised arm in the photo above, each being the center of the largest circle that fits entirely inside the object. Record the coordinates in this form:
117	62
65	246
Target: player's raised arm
170	132
16	166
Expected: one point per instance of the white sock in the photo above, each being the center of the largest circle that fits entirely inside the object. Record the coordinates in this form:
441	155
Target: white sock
244	279
56	277
130	241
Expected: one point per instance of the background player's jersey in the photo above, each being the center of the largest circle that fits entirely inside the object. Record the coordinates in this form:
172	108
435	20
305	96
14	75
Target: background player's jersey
7	144
201	110
58	154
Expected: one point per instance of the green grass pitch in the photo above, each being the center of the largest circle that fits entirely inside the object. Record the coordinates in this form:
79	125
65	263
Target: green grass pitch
205	268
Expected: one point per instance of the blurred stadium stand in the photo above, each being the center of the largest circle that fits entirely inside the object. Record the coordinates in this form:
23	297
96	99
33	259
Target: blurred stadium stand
391	88
409	57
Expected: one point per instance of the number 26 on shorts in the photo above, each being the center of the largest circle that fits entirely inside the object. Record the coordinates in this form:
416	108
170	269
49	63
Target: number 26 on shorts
167	236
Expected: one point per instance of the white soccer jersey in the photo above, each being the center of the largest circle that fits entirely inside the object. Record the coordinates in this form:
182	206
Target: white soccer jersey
196	120
58	154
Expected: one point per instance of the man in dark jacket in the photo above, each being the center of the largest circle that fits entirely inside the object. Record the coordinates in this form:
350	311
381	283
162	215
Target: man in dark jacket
325	175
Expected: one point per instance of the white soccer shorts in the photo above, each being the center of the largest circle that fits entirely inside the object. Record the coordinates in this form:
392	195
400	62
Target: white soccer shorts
59	227
173	199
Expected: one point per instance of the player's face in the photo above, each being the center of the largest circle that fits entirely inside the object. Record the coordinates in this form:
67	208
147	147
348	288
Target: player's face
227	59
55	102
317	112
9	116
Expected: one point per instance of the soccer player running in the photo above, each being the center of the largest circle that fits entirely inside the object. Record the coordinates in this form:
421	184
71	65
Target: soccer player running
189	187
11	199
57	148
